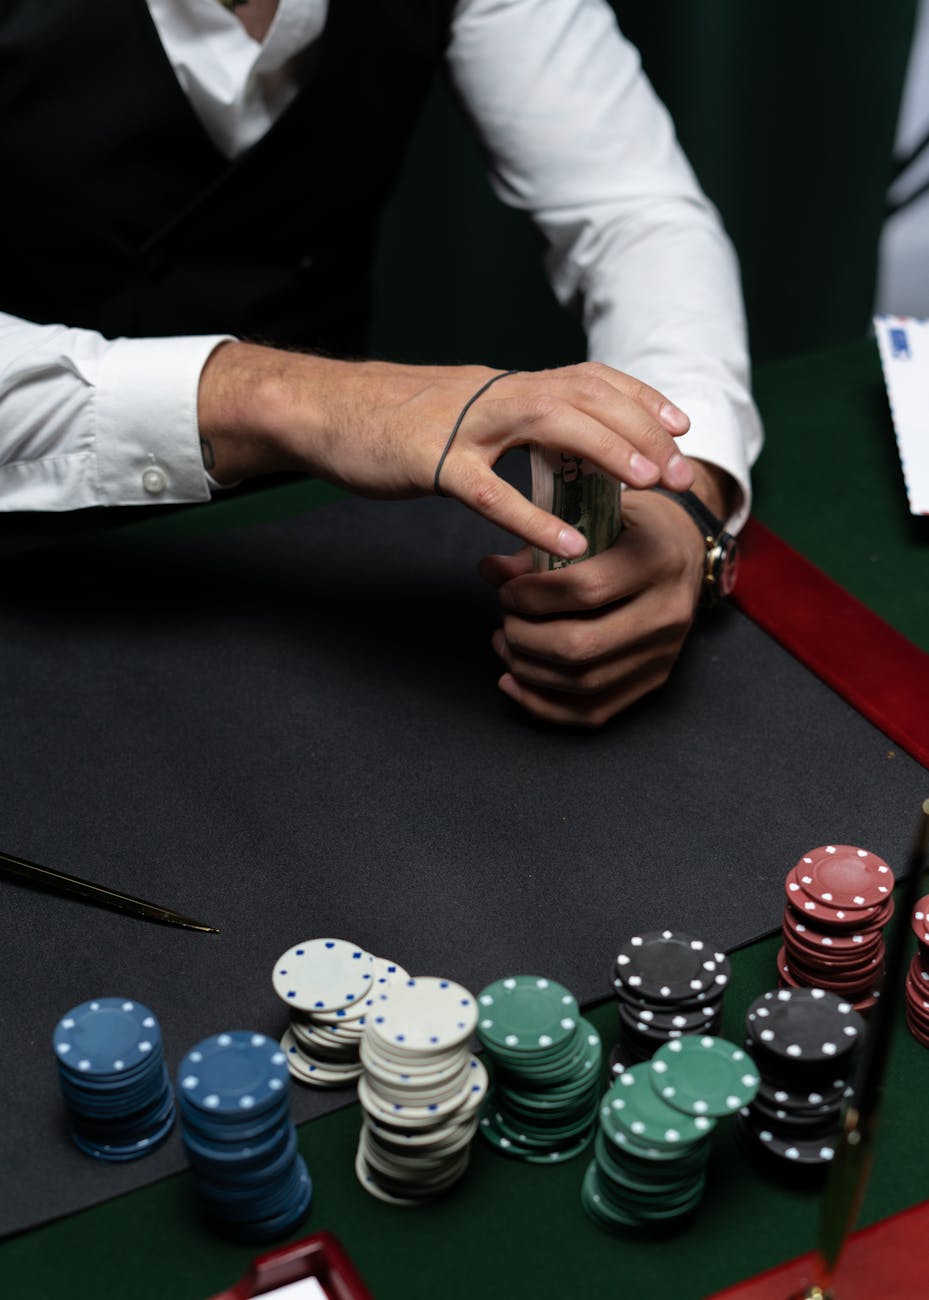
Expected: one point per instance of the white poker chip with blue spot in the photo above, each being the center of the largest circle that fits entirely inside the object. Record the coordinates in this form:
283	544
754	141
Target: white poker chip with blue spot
233	1074
386	975
323	975
106	1036
423	1015
325	1074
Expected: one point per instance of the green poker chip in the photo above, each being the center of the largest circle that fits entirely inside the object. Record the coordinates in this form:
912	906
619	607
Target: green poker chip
511	1146
631	1106
699	1075
526	1014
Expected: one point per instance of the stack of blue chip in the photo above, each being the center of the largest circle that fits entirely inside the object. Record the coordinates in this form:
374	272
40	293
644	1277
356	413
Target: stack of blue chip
234	1098
113	1078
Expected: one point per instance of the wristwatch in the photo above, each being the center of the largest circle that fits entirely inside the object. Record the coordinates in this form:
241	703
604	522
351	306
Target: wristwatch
722	553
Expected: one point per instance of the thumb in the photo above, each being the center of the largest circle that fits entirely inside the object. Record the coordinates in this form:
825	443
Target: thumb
498	569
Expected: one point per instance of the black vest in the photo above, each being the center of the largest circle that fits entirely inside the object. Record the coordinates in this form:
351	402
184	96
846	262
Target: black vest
119	214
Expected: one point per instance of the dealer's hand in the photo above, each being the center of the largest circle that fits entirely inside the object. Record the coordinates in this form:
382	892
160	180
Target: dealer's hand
582	643
379	428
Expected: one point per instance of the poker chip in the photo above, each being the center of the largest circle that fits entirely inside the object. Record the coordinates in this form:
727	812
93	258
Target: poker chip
667	984
917	980
234	1102
844	876
649	1163
804	1025
113	1078
330	987
526	1013
323	975
420	1089
667	966
704	1076
839	898
805	1042
231	1074
546	1060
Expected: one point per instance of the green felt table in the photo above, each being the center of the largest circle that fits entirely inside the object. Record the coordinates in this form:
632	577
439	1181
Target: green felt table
829	484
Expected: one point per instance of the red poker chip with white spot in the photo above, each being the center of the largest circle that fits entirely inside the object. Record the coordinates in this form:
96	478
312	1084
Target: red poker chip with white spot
920	921
797	887
808	935
842	875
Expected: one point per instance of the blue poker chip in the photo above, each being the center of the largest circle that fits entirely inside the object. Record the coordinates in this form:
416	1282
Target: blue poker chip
106	1036
234	1075
113	1151
244	1153
116	1103
251	1172
269	1229
234	1130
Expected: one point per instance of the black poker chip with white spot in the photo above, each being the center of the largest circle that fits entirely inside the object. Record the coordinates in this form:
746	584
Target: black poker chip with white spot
669	966
809	1026
667	984
804	1043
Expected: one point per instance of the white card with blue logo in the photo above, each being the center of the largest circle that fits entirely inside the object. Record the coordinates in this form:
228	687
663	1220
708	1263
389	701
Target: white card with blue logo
904	348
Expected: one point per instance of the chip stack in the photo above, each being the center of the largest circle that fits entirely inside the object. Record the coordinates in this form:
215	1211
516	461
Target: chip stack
546	1070
917	980
420	1092
804	1042
113	1078
328	986
667	984
656	1118
839	898
234	1099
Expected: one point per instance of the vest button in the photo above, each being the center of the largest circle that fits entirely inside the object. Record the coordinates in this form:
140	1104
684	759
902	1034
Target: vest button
154	480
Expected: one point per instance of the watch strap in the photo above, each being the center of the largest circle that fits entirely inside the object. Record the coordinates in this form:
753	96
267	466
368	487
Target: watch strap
720	545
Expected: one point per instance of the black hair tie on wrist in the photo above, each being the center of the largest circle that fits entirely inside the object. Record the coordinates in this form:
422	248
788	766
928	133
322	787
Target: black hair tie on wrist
464	411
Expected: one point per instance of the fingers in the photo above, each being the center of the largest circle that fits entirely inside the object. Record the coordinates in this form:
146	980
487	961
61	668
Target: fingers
650	399
600	580
498	569
476	485
589	655
591	420
635	410
590	712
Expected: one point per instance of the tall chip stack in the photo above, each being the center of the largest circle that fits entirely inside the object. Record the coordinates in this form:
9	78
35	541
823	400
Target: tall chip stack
113	1078
917	979
421	1091
234	1098
805	1043
667	984
651	1152
545	1061
839	898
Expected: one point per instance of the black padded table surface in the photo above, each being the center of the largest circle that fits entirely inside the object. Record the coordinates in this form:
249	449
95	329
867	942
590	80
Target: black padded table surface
294	730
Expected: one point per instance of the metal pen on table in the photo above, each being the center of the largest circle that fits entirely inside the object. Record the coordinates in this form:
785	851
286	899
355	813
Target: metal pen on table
100	895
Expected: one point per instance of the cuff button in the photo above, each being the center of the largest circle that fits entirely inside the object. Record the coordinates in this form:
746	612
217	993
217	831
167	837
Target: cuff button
154	480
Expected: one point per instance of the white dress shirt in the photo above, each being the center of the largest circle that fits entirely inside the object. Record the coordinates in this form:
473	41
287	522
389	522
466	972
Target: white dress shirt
576	137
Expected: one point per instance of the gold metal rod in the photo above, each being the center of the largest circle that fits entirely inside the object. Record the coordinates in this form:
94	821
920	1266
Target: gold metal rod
101	895
848	1175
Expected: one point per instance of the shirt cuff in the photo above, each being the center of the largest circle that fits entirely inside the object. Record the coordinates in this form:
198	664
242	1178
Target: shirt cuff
146	435
725	432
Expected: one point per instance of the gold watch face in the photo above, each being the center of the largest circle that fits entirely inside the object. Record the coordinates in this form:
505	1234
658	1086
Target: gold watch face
722	567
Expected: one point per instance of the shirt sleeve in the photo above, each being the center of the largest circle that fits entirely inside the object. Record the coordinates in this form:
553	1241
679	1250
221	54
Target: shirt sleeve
576	137
89	421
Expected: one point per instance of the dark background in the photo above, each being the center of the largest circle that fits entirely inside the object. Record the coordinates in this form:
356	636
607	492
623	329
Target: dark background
787	112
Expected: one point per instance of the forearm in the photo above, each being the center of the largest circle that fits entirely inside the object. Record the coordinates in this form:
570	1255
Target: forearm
578	139
84	419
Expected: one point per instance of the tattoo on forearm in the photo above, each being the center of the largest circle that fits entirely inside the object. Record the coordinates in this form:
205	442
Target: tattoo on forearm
206	451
